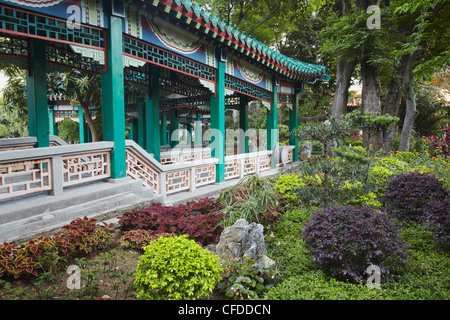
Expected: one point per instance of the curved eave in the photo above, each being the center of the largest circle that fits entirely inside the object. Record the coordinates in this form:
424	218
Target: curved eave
202	20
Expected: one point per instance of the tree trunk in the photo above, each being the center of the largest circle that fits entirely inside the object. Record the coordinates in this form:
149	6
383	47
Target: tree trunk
343	76
410	117
371	98
85	107
393	96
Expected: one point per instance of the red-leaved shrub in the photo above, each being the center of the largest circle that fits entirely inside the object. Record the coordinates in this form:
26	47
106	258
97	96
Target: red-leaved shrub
406	195
346	240
198	219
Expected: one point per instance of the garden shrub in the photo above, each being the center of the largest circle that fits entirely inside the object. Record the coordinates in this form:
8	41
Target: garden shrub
45	253
254	199
345	240
201	220
241	280
357	196
176	268
437	215
407	194
25	259
83	235
137	239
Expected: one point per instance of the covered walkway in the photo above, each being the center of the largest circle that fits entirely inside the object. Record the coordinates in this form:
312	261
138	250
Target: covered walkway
185	68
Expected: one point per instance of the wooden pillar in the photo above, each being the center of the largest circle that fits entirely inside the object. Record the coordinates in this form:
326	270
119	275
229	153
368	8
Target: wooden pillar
243	124
153	129
38	121
272	127
163	130
81	124
218	122
198	130
140	122
293	125
113	98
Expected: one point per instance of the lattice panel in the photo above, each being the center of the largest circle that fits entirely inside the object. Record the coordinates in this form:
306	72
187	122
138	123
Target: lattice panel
177	181
15	47
85	167
139	170
136	76
264	163
183	89
285	98
190	157
232	169
169	160
205	175
61	55
165	58
243	87
26	177
249	166
27	23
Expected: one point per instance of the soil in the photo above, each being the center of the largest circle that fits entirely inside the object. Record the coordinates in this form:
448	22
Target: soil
105	275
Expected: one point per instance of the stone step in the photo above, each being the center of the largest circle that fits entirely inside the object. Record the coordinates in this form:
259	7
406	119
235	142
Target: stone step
100	200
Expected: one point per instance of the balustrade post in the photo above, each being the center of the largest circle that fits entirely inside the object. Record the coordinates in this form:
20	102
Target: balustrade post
57	177
192	186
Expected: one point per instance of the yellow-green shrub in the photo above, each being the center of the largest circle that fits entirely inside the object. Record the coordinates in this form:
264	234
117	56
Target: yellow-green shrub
176	268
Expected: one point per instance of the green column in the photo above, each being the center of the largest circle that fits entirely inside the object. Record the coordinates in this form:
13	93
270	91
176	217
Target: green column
189	130
174	124
152	112
198	130
113	101
243	124
163	130
132	132
293	125
81	124
272	128
38	121
52	124
140	122
218	122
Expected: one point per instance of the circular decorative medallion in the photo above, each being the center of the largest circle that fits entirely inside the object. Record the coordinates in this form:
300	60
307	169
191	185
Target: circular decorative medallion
36	3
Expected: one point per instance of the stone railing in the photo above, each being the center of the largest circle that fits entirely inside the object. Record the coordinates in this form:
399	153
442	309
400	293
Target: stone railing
27	143
187	172
51	169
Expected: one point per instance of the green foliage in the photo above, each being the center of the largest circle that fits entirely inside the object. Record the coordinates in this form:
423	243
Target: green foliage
45	253
254	199
176	268
69	131
241	280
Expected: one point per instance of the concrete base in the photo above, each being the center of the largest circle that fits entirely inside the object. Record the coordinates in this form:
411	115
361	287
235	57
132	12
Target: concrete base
32	216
